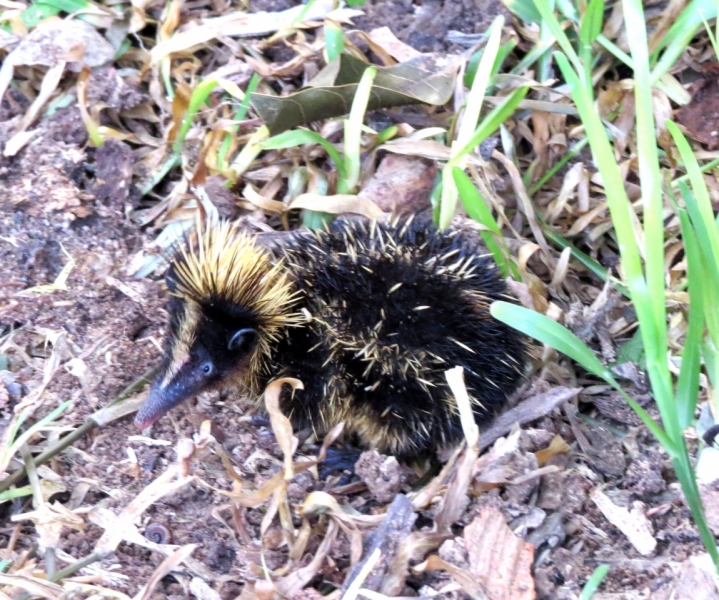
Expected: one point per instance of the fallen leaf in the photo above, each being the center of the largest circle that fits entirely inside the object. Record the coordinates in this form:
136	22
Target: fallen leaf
428	78
498	559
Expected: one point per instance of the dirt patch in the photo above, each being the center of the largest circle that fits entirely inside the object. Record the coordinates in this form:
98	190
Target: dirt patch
426	25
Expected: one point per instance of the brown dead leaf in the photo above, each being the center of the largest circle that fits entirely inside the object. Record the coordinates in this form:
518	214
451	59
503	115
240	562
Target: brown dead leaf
281	425
242	24
338	204
301	577
464	578
556	446
499	560
701	115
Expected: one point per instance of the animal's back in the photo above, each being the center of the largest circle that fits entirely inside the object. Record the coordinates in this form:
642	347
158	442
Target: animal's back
391	308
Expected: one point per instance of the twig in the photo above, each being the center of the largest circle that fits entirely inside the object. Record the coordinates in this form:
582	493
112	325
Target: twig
396	525
89	425
531	409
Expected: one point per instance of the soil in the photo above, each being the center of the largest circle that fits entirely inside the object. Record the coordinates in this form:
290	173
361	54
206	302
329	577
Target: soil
64	202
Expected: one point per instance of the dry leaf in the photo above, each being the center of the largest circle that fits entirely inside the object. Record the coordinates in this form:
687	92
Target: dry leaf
166	483
281	425
338	204
498	559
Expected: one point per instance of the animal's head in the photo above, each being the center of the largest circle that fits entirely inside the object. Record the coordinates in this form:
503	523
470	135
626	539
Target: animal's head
229	305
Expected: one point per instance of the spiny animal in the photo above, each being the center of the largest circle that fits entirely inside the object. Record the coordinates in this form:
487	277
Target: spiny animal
368	315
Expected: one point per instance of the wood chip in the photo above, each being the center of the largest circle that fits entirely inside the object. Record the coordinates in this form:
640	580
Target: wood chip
633	524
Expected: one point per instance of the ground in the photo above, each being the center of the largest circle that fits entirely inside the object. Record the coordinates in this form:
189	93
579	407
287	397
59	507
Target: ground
69	209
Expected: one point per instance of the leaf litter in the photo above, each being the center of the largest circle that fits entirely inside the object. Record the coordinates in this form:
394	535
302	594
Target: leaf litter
248	516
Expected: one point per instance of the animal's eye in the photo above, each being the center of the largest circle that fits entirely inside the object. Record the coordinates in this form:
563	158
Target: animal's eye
242	340
207	368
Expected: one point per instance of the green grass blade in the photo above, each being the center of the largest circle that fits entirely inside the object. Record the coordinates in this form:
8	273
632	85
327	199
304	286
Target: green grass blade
551	333
524	9
347	184
469	121
550	20
480	212
239	115
594	582
7	453
613	182
300	137
492	121
591	25
699	187
198	98
688	383
334	40
648	157
710	263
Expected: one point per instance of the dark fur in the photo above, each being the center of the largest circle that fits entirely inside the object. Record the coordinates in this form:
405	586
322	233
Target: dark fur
349	299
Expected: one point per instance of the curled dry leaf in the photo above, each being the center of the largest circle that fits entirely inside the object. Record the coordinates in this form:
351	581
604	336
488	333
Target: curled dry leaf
280	423
31	585
462	577
166	483
50	519
295	581
556	446
456	499
338	204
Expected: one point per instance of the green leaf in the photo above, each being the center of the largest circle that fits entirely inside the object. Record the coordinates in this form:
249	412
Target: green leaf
478	210
36	13
592	21
334	40
594	582
353	133
632	351
688	383
551	333
197	99
504	50
710	264
493	120
524	9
